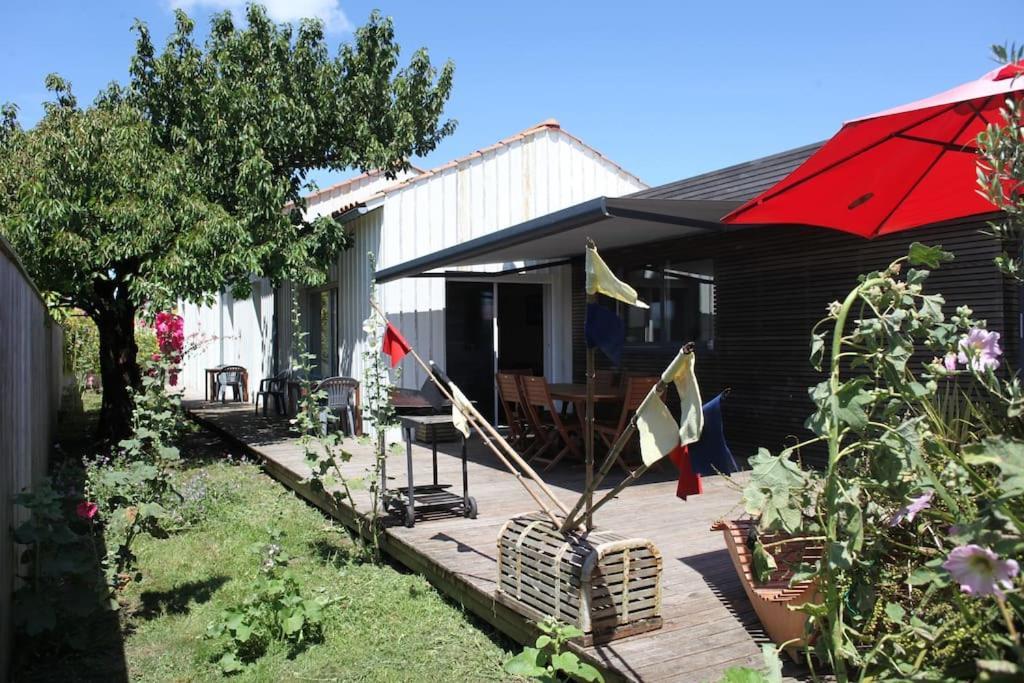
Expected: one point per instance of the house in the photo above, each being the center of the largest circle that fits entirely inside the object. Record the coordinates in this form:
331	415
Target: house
747	295
507	313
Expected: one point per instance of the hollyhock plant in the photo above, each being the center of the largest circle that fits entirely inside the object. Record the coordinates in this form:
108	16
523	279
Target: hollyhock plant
980	348
979	571
170	335
909	511
87	509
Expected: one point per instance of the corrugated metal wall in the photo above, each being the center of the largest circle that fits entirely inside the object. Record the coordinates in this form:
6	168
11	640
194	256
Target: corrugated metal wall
31	378
500	187
231	332
529	175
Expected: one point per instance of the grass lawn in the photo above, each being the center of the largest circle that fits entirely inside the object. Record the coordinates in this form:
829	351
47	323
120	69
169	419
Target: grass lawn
386	624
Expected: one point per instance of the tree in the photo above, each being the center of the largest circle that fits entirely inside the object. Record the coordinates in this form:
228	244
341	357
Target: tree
189	178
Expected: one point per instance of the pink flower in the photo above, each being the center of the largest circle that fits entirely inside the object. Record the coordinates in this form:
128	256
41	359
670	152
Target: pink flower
909	511
950	361
981	349
87	509
979	571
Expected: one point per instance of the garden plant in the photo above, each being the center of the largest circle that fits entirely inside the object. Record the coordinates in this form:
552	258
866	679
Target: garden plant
920	509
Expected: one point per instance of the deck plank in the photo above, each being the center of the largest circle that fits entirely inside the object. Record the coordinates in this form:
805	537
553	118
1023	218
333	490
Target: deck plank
709	624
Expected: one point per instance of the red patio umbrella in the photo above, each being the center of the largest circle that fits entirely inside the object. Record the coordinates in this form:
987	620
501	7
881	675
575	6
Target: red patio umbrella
894	170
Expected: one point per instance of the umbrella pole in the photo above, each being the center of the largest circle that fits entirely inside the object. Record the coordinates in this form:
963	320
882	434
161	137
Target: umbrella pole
484	427
589	431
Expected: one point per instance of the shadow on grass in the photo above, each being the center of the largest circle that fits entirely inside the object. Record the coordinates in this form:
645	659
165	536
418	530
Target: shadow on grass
178	599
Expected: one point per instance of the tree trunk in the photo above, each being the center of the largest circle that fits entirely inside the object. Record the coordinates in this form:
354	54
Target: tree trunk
119	367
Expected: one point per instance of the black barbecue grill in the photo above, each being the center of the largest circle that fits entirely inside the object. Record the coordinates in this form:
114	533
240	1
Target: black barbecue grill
426	410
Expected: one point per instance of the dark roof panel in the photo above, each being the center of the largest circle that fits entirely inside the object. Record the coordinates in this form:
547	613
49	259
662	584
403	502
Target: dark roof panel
736	183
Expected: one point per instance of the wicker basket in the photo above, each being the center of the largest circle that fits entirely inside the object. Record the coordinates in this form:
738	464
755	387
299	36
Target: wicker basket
606	585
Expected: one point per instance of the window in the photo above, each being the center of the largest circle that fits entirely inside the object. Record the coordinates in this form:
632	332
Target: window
320	326
682	300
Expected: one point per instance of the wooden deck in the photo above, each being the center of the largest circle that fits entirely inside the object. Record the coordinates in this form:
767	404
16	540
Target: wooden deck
708	623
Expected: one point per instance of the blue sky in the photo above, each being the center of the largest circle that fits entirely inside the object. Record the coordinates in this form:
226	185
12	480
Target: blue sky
665	89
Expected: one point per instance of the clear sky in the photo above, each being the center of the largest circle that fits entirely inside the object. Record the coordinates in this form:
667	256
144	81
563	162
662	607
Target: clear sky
666	89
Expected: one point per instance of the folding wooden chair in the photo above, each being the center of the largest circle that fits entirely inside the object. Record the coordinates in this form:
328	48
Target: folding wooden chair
510	395
637	389
551	429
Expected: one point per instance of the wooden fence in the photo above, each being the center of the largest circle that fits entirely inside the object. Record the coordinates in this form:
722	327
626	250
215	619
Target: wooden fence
30	390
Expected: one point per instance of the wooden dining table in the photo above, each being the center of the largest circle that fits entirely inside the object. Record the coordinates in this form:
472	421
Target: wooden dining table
576	394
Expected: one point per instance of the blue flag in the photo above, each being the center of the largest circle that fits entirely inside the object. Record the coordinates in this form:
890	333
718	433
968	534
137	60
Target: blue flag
605	330
711	454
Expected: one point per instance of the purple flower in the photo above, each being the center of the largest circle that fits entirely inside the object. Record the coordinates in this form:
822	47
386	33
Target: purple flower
910	510
979	571
981	349
950	361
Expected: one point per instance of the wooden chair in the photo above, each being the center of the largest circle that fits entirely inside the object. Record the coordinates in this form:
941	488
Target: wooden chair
551	430
342	396
636	391
510	394
230	376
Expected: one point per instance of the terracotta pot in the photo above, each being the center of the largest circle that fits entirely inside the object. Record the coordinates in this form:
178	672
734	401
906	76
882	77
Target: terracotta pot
773	600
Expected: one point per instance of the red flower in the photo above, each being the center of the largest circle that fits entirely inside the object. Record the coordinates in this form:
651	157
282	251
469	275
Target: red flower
87	509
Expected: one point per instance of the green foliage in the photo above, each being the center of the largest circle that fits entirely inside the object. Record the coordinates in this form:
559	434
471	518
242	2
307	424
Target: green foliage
772	672
58	568
81	347
133	488
549	659
275	610
172	185
1001	170
924	457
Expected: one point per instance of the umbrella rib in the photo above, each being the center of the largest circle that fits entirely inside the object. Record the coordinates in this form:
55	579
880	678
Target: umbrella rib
949	146
923	175
849	156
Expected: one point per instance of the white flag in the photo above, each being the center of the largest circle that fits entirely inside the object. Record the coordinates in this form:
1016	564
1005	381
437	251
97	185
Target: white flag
600	279
691	418
659	433
459	410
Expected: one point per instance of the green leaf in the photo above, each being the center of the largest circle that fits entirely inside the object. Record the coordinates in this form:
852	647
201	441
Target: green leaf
565	661
543	641
742	674
931	257
895	612
525	664
772	663
229	663
293	624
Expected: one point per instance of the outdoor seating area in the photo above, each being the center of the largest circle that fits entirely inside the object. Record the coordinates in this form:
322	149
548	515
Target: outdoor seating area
545	420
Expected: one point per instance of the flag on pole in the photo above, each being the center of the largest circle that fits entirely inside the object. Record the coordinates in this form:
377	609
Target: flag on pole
711	454
689	483
691	417
459	410
605	330
600	279
395	345
659	433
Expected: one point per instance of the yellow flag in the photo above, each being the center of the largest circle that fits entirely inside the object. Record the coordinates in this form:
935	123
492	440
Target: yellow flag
459	410
600	279
691	419
658	431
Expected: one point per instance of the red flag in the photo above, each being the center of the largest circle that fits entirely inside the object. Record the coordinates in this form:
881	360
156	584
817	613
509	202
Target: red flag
395	345
689	481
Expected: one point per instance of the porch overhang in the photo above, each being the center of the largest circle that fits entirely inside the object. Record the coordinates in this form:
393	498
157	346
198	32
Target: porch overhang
611	222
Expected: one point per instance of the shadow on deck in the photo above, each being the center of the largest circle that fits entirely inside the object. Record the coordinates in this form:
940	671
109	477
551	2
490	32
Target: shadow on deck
708	624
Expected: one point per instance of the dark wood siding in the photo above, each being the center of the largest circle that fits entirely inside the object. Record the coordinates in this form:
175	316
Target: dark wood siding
772	285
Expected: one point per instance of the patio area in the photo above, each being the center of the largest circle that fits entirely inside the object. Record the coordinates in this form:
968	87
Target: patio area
709	624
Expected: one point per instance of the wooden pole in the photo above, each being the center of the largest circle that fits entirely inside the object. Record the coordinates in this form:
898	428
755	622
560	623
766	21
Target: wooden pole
589	430
483	427
571	520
